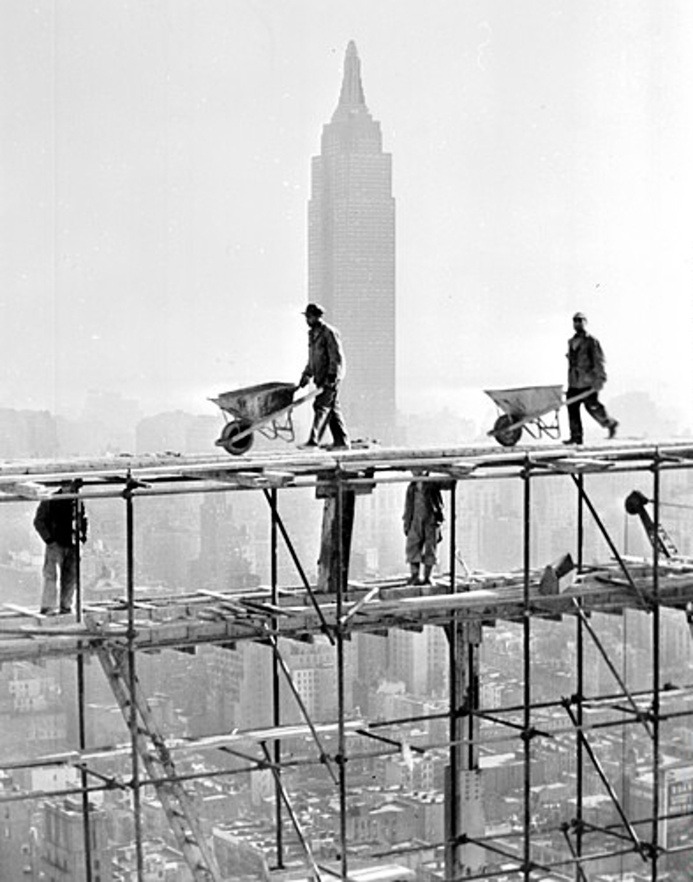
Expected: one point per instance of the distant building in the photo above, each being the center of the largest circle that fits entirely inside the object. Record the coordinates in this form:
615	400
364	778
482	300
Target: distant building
63	851
27	433
15	833
33	714
351	253
177	432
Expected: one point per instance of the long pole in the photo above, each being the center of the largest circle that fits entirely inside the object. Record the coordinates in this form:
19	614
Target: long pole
526	664
133	725
452	834
81	686
656	777
276	696
339	639
580	685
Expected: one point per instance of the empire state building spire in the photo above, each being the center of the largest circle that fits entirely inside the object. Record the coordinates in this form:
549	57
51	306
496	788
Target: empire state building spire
351	97
351	252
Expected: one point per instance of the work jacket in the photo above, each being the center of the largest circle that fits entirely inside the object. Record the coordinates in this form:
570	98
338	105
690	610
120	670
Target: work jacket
54	522
585	362
326	364
432	499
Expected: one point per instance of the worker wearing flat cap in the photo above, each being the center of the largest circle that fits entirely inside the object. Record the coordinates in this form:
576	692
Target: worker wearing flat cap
325	368
586	378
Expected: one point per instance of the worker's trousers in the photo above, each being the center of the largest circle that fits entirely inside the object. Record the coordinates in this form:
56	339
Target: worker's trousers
328	414
63	558
422	540
594	408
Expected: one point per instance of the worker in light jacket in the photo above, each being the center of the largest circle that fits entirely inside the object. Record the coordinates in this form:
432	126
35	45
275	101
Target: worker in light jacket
58	522
586	372
325	367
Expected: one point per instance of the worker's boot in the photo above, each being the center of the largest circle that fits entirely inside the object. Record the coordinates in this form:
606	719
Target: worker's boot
428	569
414	577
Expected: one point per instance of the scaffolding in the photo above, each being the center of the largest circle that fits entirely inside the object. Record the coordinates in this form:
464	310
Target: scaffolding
462	603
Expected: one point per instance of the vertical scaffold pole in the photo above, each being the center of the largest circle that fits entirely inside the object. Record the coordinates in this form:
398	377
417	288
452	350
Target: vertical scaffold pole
452	801
526	665
342	583
464	822
81	722
276	705
656	778
580	683
134	734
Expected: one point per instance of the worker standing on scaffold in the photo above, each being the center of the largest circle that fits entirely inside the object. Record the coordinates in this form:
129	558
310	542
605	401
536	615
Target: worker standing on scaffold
58	521
423	516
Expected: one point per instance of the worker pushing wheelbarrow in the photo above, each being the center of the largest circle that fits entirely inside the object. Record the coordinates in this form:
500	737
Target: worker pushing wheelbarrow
266	409
524	409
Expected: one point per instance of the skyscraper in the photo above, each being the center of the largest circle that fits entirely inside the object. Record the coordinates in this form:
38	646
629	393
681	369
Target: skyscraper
351	253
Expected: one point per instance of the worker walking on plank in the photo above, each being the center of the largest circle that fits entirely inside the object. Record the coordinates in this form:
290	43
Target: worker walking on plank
326	366
586	372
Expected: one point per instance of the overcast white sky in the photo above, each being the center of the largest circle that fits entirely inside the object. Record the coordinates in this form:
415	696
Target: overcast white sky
155	159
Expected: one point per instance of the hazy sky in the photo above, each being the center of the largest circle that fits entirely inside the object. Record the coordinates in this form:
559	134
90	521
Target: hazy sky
155	159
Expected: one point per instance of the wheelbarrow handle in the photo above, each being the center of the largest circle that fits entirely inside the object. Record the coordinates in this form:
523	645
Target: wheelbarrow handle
580	397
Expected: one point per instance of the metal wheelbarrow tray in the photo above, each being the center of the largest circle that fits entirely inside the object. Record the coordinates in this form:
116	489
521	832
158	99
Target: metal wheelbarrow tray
524	408
265	408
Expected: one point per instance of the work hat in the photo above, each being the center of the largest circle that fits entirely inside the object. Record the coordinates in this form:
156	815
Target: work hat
580	315
314	309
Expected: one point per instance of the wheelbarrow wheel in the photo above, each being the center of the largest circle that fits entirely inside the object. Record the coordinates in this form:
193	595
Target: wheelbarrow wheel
229	434
505	436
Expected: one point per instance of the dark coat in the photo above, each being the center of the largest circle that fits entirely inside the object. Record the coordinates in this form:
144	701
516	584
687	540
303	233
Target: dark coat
433	503
54	521
326	362
585	362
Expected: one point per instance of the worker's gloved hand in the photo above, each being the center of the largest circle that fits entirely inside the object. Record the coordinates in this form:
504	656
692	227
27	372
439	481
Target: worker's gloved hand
598	385
331	381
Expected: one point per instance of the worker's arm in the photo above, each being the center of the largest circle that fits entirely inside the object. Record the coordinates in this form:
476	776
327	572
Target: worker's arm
83	523
42	522
408	508
598	369
334	357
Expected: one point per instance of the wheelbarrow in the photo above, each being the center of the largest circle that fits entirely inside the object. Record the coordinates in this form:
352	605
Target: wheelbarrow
266	409
524	409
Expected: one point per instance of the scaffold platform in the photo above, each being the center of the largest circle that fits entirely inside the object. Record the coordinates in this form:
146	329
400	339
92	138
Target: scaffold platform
462	604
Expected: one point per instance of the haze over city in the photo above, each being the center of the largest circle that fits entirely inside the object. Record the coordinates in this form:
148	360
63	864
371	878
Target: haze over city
156	171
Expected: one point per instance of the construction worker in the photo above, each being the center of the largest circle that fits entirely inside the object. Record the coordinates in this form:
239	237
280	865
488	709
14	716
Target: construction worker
586	372
423	515
57	522
326	368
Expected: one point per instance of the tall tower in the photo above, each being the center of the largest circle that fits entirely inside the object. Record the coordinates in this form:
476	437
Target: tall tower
351	254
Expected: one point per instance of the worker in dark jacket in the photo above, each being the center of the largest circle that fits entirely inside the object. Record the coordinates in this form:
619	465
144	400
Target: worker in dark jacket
57	522
326	368
423	516
586	372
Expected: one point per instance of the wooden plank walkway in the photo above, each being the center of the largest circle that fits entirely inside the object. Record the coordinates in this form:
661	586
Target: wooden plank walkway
185	621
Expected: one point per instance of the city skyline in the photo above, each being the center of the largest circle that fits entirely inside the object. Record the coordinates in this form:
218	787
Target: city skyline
156	164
